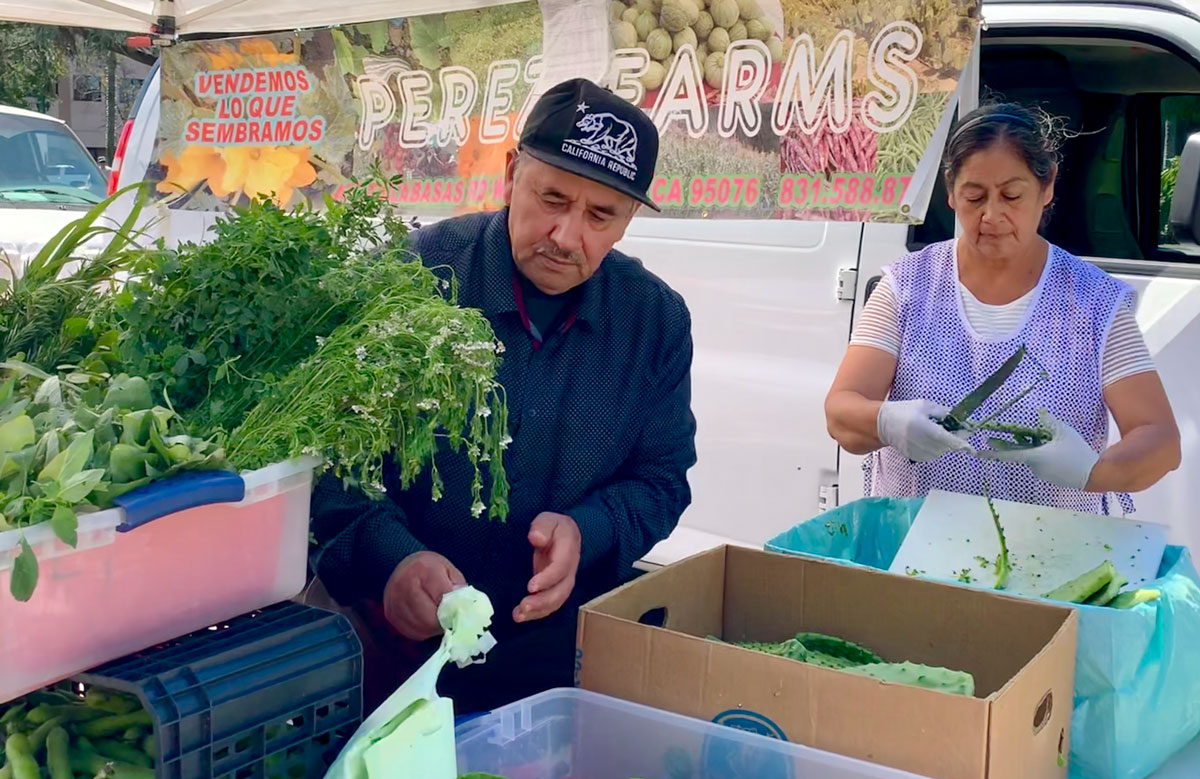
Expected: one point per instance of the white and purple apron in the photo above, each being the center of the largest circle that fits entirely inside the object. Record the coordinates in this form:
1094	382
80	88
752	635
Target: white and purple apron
942	359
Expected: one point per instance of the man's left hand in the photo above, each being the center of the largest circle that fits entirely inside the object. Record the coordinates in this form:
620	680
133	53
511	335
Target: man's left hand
556	544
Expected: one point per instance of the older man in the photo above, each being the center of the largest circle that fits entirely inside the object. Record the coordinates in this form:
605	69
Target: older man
597	376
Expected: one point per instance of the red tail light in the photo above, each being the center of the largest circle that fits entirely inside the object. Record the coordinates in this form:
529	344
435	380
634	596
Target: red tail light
119	156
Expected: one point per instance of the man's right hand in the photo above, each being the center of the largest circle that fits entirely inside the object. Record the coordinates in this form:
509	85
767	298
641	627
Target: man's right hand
412	594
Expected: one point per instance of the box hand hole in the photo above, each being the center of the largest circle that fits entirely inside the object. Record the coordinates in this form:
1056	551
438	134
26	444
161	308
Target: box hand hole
656	618
1042	715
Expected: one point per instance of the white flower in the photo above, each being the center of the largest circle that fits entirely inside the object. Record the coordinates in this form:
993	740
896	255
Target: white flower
499	347
429	404
320	340
484	412
505	441
361	353
477	509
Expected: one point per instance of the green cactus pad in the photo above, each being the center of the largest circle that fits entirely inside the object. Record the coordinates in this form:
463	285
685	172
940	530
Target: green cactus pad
852	653
930	677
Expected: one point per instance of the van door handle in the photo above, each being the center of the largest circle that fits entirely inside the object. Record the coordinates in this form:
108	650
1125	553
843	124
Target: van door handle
870	287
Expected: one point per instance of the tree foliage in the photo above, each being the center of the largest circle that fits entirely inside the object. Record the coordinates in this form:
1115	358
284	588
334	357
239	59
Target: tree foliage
35	57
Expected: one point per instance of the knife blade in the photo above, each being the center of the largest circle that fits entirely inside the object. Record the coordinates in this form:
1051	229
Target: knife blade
958	415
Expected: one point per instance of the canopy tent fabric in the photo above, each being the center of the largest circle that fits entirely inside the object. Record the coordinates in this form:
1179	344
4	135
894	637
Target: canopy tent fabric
192	17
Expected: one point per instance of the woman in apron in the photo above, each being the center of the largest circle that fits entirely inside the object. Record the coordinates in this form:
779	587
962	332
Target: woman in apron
944	318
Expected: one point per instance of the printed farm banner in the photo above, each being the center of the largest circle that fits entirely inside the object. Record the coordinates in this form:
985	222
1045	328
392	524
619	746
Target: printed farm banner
787	109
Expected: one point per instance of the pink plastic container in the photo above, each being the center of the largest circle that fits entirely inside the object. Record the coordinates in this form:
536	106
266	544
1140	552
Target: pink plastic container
119	592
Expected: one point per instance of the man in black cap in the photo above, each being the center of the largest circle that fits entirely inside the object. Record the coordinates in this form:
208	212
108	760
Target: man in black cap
597	377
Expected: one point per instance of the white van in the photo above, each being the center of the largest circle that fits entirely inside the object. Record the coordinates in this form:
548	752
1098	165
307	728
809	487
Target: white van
773	302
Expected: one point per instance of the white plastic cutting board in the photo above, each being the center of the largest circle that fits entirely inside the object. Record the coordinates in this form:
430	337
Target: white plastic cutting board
1047	547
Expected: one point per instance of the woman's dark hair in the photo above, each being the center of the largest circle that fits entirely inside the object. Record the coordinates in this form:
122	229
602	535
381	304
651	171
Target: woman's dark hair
1030	132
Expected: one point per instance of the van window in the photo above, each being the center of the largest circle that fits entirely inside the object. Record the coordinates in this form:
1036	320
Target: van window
1123	106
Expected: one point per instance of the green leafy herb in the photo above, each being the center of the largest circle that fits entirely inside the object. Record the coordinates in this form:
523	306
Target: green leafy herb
216	323
412	371
24	573
71	444
65	525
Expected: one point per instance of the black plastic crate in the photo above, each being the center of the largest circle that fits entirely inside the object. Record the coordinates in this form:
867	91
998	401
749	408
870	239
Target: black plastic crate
273	694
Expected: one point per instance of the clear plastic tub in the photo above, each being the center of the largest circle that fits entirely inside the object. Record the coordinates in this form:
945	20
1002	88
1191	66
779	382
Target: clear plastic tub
577	734
120	592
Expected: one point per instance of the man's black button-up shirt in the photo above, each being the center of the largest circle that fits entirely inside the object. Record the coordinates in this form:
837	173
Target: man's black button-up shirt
601	426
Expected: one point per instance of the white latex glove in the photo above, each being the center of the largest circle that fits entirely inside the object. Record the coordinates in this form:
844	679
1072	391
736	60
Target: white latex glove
911	428
1066	459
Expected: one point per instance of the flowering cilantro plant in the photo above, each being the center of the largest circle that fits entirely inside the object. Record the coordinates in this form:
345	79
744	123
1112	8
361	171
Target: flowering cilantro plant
411	373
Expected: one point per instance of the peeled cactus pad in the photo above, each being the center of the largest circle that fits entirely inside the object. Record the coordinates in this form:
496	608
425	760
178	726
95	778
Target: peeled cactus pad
652	79
941	679
748	9
630	15
1128	600
658	43
624	35
738	32
703	26
616	9
724	12
1085	585
855	654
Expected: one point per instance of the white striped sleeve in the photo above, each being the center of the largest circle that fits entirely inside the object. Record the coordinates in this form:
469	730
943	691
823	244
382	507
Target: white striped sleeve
879	323
1125	352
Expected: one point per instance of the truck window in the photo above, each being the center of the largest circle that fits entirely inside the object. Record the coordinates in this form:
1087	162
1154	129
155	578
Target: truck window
1180	116
1127	107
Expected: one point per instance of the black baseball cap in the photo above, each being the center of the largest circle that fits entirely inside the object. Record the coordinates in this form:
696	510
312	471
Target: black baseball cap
582	128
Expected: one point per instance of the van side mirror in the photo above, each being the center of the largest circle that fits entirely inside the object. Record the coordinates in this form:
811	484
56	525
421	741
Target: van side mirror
1185	202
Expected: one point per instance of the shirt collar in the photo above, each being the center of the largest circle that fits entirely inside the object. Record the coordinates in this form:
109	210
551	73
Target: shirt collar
498	295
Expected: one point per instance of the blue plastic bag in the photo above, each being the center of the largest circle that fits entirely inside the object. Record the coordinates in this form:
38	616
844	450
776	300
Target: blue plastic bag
1137	671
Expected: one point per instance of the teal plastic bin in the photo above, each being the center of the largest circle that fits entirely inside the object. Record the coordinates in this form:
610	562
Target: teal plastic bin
1137	671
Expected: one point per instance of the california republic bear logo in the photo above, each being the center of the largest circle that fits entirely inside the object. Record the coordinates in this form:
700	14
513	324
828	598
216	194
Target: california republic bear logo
609	136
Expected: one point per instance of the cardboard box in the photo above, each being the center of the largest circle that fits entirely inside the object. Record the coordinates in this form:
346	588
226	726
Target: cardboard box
1021	653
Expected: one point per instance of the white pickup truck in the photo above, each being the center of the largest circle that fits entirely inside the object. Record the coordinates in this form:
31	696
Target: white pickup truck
773	302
